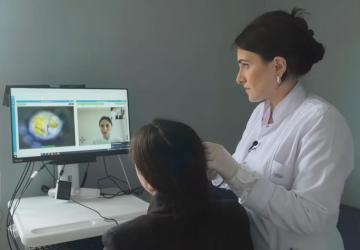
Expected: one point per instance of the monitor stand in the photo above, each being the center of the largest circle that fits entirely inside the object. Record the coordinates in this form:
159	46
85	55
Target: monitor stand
68	176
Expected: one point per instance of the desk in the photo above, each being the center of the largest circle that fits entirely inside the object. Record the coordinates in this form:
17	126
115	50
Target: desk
44	221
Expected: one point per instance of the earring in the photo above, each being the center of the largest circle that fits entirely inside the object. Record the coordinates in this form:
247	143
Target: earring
278	80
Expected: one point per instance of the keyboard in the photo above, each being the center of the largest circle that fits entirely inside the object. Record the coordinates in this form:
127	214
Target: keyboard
83	244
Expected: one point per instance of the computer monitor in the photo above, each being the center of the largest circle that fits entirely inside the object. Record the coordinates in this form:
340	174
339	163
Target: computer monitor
68	125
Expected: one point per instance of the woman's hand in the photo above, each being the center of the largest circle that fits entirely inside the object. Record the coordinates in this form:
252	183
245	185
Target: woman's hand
220	160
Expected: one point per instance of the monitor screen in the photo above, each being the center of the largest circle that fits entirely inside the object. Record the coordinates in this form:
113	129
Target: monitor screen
60	123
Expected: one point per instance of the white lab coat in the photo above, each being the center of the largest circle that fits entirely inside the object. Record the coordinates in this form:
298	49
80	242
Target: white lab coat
303	158
103	140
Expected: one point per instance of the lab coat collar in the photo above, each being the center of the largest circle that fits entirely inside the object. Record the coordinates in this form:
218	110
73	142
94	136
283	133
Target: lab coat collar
287	106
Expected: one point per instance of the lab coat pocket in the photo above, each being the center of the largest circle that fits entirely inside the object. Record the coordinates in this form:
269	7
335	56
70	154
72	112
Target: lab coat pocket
281	174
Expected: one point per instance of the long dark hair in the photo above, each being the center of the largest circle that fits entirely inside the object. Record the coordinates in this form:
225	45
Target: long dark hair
279	33
170	156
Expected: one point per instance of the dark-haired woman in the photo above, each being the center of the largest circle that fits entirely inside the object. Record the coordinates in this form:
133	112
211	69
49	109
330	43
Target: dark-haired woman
171	165
296	152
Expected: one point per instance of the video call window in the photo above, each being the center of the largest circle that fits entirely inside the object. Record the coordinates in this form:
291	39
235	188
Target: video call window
102	125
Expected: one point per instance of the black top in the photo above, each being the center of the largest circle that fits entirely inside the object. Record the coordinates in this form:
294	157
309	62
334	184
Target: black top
211	225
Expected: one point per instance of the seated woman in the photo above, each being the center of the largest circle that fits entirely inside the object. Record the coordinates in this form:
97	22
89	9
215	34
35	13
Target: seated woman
170	163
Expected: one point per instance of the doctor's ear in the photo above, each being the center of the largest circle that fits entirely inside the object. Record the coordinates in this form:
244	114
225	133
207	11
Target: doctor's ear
280	65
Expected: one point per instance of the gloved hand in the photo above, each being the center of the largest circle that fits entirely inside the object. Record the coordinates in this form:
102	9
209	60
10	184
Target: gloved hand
219	159
211	174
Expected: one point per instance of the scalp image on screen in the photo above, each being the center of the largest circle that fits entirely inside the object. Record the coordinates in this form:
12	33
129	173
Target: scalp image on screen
46	127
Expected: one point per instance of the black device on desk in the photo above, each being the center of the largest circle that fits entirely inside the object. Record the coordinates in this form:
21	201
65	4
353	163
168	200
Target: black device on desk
84	244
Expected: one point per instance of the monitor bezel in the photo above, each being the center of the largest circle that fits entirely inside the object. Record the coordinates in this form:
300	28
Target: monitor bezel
75	156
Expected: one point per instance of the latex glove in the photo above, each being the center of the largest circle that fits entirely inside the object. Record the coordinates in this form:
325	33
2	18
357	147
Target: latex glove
211	174
220	160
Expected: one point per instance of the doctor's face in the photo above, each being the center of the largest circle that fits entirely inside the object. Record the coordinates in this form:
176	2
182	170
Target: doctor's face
255	75
105	128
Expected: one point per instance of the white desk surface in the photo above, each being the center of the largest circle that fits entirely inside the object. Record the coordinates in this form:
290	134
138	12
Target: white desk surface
43	221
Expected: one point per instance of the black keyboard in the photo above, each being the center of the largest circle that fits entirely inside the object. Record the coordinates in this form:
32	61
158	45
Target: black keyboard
84	244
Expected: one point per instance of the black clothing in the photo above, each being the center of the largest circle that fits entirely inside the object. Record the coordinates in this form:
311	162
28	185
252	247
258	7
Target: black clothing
211	225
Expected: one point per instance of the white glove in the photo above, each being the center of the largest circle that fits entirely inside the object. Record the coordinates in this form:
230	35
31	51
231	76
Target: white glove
239	179
219	159
211	174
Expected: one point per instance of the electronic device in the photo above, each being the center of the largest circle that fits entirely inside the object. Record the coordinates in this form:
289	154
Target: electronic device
63	190
68	125
94	243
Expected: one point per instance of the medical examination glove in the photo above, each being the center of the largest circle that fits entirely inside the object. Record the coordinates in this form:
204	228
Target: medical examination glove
220	160
211	174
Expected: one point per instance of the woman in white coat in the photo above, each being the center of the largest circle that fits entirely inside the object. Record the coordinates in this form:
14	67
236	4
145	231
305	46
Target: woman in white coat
296	152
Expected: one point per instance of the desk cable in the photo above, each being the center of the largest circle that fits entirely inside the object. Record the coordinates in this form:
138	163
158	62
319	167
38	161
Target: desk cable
123	168
24	182
92	209
9	221
114	180
130	190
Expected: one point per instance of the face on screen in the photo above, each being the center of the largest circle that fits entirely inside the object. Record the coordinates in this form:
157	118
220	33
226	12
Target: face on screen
105	127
